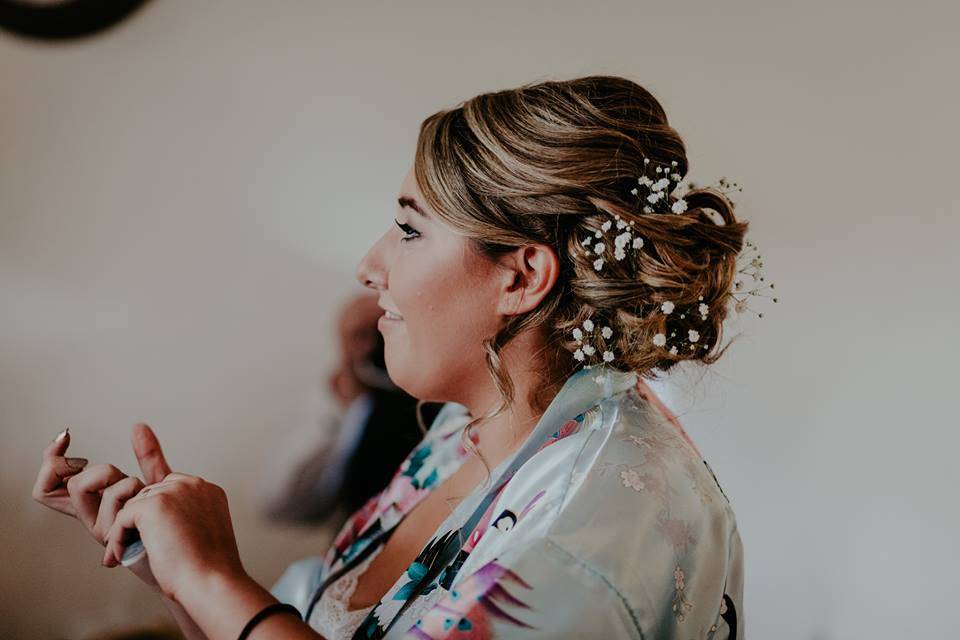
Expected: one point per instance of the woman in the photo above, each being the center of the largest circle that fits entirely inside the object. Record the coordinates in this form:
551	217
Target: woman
540	265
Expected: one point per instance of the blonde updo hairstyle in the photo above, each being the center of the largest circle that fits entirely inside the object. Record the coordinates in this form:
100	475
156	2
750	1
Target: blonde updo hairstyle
548	163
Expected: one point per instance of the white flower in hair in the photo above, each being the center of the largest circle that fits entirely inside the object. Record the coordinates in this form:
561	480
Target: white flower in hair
694	335
597	233
588	324
637	243
646	161
653	197
679	206
676	177
578	354
661	184
577	334
589	350
667	307
608	356
586	242
703	309
606	225
606	332
619	254
673	350
659	339
598	264
622	239
598	248
633	191
645	180
647	210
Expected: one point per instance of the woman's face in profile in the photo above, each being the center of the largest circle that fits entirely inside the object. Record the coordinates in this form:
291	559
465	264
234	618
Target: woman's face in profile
445	293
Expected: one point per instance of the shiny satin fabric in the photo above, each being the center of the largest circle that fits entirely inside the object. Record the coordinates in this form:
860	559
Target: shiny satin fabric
607	523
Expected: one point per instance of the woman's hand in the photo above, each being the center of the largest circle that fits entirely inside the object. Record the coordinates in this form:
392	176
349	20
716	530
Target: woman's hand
94	494
184	523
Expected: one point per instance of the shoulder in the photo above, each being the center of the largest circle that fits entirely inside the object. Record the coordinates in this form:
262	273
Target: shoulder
628	498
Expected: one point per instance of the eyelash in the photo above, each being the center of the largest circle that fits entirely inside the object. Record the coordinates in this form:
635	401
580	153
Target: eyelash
406	229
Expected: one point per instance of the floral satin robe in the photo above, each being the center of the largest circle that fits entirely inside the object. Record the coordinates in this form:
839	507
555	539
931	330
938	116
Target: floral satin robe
616	527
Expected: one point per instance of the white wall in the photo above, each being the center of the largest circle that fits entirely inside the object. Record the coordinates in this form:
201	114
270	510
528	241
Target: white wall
183	201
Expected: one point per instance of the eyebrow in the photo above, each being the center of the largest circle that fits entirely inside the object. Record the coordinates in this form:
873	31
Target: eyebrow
410	203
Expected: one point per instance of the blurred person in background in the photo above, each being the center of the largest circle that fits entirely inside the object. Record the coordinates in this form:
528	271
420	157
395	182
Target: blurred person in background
375	429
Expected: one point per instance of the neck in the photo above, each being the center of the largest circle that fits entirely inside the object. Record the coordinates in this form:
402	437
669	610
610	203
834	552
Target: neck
498	437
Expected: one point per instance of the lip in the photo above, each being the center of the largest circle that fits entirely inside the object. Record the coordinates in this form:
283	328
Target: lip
383	321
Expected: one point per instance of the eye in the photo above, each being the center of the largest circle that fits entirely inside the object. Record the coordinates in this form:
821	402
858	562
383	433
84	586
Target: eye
407	229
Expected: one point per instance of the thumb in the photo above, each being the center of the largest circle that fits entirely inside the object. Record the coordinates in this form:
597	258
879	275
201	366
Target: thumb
149	454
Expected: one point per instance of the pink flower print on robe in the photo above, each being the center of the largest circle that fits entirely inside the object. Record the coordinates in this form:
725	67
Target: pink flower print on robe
467	611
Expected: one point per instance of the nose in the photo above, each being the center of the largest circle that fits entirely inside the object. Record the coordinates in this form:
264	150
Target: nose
371	271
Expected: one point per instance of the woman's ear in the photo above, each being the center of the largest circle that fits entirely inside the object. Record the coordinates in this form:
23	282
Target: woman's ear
529	273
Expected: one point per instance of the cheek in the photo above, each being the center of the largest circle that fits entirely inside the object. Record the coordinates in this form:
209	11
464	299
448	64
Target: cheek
446	314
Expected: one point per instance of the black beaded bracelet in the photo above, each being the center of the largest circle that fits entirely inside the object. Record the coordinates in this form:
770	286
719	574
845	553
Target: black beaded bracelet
276	607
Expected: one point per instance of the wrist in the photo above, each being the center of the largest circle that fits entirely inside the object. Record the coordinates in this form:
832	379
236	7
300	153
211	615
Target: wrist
221	602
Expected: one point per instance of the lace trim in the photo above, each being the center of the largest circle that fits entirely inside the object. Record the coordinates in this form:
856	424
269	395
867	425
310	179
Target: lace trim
331	618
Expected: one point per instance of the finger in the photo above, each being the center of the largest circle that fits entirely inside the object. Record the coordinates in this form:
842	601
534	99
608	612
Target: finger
150	456
49	488
85	487
58	446
127	518
112	500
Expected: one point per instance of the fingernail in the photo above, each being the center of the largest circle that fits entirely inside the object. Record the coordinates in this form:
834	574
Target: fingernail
76	463
62	435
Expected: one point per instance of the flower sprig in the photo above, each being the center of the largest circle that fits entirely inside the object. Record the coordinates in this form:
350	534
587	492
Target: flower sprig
655	195
586	349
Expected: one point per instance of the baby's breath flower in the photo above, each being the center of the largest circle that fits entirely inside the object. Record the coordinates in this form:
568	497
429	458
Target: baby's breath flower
577	334
608	356
586	242
606	332
619	254
703	309
667	307
694	335
679	206
588	324
637	243
578	354
659	339
606	225
598	248
589	350
673	350
598	264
